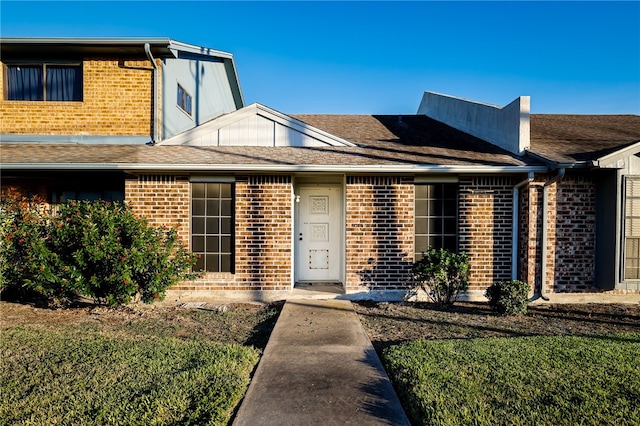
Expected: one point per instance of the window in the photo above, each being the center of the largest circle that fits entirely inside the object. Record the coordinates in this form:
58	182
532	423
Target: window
184	100
212	224
436	217
632	230
44	82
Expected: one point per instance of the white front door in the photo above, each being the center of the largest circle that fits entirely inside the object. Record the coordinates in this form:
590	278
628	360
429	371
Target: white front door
319	234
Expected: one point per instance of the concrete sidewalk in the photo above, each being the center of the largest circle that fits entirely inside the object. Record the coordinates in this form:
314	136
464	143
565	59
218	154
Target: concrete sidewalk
319	367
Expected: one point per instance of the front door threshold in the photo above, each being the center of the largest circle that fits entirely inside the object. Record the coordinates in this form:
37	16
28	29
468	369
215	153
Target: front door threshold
318	287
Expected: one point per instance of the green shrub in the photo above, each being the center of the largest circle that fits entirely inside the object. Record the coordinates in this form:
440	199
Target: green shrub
27	263
95	249
116	254
442	275
508	297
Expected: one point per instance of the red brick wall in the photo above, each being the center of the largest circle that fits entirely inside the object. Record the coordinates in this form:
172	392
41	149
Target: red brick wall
262	230
163	200
575	227
263	233
485	228
379	232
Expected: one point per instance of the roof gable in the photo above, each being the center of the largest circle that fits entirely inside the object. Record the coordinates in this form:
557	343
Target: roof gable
256	125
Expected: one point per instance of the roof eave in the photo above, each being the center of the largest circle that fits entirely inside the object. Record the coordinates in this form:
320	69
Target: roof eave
418	168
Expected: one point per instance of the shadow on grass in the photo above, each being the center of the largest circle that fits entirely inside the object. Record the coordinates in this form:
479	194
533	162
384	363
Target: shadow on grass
393	323
260	334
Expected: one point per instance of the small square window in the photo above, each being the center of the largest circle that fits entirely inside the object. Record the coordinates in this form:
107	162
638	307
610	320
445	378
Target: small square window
184	100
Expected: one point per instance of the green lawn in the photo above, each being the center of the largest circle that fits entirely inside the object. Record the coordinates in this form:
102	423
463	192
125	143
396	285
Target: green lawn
551	380
67	377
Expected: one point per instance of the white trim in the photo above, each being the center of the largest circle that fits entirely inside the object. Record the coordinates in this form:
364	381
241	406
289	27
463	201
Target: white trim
279	168
252	110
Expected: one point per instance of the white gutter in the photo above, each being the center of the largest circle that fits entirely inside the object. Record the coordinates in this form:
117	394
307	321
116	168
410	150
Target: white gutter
515	222
282	168
545	208
147	49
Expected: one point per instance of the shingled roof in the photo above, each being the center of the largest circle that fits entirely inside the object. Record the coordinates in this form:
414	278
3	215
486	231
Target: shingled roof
396	143
582	138
383	143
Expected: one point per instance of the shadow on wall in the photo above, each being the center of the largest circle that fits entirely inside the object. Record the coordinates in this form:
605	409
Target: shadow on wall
389	266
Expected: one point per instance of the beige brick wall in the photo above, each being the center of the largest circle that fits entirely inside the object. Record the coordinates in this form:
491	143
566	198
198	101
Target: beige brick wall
379	232
116	101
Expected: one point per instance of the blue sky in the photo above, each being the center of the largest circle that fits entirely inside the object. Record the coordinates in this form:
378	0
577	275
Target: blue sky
379	57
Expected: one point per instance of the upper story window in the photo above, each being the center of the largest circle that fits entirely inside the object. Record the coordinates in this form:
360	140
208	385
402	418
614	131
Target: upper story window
184	100
44	82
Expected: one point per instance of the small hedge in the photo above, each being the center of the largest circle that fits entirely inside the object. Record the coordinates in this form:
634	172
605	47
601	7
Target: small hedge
442	275
94	249
508	297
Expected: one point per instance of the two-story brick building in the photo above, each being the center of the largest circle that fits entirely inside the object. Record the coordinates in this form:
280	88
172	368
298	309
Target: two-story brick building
273	202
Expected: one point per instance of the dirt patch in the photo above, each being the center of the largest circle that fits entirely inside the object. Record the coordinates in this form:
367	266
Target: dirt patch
392	323
242	323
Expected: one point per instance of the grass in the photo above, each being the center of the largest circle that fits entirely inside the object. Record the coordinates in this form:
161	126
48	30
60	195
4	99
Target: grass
142	365
60	377
546	380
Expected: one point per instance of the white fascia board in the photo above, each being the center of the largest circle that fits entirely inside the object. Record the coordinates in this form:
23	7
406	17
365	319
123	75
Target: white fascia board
273	168
198	50
610	159
260	110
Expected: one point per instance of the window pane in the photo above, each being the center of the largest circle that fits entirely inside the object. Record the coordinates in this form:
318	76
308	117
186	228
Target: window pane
225	244
421	244
197	208
213	208
197	190
225	190
225	208
199	266
422	191
197	244
226	225
421	226
213	190
435	226
64	83
225	263
213	244
198	225
212	263
25	83
213	225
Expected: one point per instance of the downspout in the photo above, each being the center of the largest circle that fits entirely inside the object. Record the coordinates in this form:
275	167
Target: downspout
515	223
545	209
154	136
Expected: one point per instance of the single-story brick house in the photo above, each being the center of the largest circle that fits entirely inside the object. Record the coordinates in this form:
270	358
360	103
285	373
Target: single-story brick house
273	201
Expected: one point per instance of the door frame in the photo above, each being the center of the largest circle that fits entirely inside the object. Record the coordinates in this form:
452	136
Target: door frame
332	182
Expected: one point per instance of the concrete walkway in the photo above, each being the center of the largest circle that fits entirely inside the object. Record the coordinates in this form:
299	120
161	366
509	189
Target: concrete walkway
319	367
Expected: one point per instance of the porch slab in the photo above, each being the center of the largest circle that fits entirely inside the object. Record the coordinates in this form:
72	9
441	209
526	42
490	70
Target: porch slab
319	367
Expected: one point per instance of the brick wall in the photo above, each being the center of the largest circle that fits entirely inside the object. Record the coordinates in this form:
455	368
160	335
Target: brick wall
116	101
263	227
263	233
163	200
379	232
485	228
575	227
570	234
